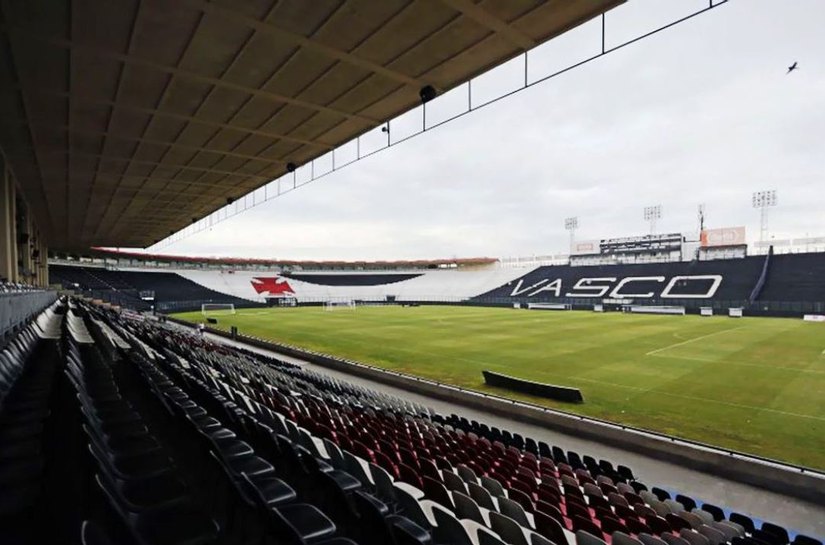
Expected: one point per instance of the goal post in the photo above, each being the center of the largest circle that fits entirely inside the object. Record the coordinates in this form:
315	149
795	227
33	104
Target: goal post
339	305
217	308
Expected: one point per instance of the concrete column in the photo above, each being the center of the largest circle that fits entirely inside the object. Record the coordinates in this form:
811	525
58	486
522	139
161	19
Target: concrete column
12	187
24	249
44	263
8	237
36	260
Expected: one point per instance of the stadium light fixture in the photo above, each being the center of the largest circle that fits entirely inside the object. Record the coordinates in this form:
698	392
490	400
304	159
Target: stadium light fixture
652	215
571	224
763	200
427	93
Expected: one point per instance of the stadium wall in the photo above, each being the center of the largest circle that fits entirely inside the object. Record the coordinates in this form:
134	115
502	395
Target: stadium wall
799	482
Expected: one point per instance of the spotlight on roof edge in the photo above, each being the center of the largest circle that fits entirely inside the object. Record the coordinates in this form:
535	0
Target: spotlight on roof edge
427	93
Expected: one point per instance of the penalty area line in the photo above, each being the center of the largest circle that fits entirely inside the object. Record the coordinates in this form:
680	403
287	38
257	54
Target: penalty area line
654	352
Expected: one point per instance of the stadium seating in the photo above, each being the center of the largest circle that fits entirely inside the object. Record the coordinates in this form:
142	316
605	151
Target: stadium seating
344	279
778	285
795	277
170	291
739	278
151	434
782	285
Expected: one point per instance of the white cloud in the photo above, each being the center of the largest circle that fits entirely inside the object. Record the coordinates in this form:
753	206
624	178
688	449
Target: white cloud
701	113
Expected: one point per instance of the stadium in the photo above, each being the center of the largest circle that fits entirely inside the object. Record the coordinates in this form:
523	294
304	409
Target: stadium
659	388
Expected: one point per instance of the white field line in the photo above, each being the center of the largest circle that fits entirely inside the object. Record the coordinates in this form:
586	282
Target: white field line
654	352
721	362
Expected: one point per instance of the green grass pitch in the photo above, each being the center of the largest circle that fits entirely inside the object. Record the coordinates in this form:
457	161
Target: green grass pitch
750	384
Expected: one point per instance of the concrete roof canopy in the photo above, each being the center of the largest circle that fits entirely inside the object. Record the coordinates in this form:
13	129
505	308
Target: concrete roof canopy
124	121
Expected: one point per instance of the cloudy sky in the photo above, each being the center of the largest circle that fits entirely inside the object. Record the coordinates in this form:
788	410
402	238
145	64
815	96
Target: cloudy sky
700	113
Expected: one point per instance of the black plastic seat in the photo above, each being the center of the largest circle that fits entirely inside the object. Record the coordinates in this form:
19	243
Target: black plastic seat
274	491
301	522
372	519
406	532
92	534
251	465
173	528
801	539
743	520
716	512
133	467
780	533
176	525
296	523
151	493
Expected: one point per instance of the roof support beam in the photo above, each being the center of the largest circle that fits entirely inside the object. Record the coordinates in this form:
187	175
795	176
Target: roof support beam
177	117
119	176
23	33
488	20
301	41
154	142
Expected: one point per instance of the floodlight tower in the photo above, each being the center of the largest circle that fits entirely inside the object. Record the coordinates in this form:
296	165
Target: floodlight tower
764	200
571	224
652	214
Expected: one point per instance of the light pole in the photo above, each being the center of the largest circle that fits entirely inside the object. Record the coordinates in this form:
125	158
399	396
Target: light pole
571	224
763	200
652	214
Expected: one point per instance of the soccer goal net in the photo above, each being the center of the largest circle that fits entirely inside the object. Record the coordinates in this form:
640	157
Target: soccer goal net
217	309
339	305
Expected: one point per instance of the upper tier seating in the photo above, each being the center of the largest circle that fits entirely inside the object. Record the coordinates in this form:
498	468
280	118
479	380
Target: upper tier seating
81	277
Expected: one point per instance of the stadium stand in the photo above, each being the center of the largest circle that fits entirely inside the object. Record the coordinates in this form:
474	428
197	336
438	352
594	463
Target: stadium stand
186	289
787	284
151	434
795	277
738	278
351	279
777	284
170	291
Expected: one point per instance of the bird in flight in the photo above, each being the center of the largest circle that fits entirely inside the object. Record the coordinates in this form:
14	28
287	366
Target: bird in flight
792	67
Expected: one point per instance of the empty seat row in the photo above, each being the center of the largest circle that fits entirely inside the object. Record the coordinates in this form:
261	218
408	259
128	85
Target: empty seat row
187	441
422	449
